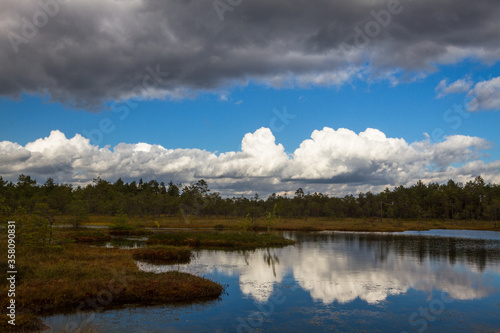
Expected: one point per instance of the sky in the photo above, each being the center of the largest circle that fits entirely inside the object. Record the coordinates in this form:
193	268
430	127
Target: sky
338	97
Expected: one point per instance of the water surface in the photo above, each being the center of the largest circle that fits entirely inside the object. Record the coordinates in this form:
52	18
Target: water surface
332	281
475	234
125	242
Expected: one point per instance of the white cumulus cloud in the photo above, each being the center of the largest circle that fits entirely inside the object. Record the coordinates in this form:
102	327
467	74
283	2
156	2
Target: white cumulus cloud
335	162
459	86
485	95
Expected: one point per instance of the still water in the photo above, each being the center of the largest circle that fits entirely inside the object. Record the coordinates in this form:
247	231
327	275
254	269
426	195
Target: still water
435	281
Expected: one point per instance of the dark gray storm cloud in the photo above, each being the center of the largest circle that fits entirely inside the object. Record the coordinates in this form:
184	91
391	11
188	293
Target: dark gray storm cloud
87	52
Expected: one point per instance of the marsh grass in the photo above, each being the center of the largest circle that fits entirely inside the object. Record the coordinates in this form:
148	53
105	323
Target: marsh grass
122	226
84	235
312	223
129	232
235	240
163	254
84	278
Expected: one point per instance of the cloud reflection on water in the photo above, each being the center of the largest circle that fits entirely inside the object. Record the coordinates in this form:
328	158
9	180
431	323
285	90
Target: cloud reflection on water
343	267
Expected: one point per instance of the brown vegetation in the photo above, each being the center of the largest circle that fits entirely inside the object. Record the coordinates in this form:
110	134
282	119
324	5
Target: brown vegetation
163	254
226	240
309	224
81	278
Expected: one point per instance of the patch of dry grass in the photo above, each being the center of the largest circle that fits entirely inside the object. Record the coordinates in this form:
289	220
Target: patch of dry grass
316	223
227	240
81	278
163	254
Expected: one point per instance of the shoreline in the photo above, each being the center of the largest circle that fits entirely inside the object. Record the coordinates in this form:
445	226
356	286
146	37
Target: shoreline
51	280
77	278
71	275
290	224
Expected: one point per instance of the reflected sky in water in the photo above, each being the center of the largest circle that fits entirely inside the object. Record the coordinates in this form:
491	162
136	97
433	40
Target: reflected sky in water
126	243
334	281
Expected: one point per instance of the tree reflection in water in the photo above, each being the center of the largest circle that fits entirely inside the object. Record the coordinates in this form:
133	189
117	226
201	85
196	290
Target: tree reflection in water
342	267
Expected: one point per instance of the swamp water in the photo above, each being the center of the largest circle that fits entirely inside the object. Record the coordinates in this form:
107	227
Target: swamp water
435	281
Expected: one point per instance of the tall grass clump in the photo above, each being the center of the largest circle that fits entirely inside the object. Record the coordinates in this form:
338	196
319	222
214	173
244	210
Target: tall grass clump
77	278
235	240
163	254
85	236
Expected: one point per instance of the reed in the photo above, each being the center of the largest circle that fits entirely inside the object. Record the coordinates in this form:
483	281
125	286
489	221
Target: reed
163	254
231	240
84	278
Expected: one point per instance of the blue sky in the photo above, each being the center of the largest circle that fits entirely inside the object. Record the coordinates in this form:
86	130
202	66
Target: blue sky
216	97
406	110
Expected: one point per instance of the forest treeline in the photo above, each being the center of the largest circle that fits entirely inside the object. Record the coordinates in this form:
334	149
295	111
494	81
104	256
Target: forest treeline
472	200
